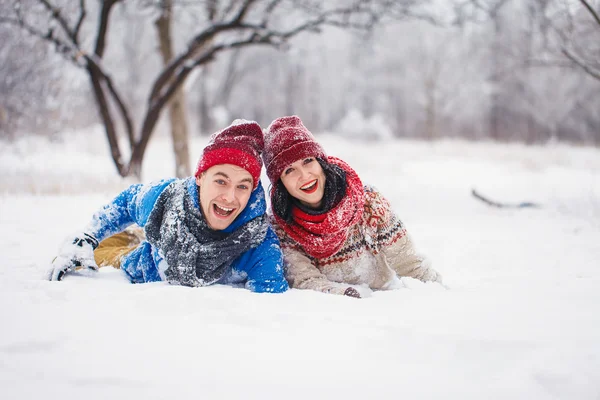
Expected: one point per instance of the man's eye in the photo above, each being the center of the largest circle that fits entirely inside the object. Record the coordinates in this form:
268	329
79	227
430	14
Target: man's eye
243	187
220	181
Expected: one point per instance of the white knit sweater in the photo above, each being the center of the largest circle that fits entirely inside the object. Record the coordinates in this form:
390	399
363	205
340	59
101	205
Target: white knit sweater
376	252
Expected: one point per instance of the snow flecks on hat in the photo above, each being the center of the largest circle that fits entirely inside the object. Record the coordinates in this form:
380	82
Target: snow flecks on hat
241	144
286	141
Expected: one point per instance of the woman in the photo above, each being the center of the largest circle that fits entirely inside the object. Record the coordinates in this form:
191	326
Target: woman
335	232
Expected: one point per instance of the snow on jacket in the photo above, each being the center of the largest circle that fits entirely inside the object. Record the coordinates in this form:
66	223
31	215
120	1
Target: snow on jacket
260	268
377	251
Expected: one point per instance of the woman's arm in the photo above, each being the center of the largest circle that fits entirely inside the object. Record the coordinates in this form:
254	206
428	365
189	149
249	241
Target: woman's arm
301	273
405	261
393	241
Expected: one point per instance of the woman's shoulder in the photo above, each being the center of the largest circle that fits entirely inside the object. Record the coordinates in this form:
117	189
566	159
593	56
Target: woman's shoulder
374	197
378	209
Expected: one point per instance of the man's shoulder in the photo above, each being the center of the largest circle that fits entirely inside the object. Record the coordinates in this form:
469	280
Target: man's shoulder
154	188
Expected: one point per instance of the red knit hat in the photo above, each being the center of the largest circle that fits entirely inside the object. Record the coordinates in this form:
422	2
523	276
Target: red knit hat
287	140
239	144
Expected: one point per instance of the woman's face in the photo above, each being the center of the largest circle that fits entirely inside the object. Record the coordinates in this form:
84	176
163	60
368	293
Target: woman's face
305	180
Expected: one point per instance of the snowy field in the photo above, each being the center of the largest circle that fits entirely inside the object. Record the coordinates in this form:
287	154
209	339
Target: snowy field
520	318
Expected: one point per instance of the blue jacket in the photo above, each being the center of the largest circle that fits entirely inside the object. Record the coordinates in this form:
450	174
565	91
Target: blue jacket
260	268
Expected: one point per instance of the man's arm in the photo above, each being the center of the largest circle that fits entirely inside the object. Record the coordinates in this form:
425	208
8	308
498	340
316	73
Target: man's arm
265	267
133	205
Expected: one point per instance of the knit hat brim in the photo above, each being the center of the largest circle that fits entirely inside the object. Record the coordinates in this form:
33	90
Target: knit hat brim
241	144
225	155
292	154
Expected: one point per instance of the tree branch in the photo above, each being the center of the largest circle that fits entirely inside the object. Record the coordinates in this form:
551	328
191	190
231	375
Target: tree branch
589	7
65	49
502	205
243	11
172	85
103	26
104	111
57	15
82	15
196	43
589	70
95	63
229	8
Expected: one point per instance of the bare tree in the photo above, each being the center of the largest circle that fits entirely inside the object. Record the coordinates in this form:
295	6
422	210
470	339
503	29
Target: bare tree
177	114
580	37
234	24
560	36
28	84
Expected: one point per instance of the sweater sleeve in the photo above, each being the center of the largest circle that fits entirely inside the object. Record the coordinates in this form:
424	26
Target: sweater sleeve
405	261
265	274
133	205
300	271
393	241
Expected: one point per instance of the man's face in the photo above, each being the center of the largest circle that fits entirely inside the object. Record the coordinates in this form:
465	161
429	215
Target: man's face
224	193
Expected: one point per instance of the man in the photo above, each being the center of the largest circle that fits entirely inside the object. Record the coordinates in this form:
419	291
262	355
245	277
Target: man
211	228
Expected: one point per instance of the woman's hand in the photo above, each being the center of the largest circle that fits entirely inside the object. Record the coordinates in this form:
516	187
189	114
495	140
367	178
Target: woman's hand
351	292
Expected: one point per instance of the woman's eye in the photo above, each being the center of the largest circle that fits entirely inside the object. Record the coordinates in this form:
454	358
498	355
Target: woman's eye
288	171
308	160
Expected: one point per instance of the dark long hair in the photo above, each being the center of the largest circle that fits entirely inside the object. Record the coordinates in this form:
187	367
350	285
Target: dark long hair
335	189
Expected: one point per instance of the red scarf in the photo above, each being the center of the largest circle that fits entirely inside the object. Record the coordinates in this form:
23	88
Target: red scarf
323	235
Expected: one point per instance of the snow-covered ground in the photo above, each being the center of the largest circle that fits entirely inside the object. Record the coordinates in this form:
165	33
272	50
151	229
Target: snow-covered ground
520	318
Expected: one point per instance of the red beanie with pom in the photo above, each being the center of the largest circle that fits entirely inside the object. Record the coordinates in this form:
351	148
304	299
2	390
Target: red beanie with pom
287	140
239	144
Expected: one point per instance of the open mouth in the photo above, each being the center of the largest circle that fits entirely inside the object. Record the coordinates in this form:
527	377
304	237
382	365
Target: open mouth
310	187
222	211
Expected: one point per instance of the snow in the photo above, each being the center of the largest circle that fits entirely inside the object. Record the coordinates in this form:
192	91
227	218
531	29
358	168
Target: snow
520	318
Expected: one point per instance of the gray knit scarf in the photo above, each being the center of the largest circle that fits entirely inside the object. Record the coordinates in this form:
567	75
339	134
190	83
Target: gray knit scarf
196	254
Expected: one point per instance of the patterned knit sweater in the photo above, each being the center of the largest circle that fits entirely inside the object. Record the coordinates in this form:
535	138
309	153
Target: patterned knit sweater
376	252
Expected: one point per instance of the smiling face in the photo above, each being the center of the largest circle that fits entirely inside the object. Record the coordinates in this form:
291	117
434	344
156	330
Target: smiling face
224	192
305	180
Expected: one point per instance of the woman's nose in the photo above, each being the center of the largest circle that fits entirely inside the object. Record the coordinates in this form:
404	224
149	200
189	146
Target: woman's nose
304	173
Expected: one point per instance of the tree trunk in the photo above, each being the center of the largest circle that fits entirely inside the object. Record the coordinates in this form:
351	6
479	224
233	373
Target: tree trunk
495	97
431	88
430	111
177	113
109	127
206	123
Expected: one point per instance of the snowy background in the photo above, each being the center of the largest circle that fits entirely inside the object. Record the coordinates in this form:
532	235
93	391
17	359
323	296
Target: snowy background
520	320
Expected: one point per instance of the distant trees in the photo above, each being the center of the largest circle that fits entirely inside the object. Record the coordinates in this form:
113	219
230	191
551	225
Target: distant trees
501	69
29	85
223	25
578	30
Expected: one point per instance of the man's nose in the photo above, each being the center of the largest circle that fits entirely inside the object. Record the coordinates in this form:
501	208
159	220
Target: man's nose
228	194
